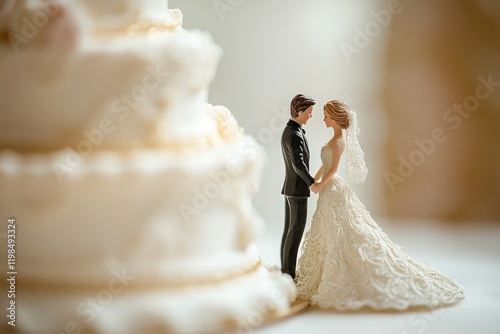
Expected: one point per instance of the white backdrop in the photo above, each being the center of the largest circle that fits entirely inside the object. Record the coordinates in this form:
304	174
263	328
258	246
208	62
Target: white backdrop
274	49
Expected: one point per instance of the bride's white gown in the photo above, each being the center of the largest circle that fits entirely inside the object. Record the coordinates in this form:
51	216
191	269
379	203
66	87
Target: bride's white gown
348	261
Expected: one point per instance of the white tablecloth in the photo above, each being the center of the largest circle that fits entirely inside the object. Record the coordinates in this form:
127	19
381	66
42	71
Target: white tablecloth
468	253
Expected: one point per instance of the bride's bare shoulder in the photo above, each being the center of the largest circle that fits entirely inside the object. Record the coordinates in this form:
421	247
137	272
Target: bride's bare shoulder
336	145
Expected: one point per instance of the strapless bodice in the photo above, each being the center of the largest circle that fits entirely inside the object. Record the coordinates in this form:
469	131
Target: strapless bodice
326	158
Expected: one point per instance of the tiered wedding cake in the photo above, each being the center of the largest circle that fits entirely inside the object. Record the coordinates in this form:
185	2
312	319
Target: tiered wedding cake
132	196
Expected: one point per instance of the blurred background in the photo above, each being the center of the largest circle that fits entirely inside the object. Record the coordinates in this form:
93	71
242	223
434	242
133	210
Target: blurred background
424	77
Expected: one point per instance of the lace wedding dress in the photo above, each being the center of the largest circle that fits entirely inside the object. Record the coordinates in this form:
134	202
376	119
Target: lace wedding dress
348	261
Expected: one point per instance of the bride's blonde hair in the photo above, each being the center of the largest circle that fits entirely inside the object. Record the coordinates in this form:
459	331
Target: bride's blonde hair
338	111
348	120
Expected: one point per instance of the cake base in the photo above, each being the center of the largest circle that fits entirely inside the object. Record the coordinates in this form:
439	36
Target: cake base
239	304
278	315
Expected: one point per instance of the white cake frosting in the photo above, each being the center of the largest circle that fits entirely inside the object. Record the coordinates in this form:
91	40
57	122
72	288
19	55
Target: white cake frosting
116	13
159	81
117	170
153	196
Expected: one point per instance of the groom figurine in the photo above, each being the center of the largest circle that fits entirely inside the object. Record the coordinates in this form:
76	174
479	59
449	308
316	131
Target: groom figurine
297	180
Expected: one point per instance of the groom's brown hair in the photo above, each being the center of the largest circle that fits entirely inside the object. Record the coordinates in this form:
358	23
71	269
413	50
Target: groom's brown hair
300	103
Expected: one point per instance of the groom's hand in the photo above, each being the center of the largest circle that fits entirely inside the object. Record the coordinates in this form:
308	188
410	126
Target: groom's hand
314	187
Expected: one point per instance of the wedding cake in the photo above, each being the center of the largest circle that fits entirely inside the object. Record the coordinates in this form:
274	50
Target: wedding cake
131	195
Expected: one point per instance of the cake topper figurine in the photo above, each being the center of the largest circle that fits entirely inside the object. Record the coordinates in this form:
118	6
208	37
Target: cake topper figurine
297	180
347	260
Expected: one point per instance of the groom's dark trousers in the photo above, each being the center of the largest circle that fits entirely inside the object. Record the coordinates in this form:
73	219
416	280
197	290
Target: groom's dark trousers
295	222
296	190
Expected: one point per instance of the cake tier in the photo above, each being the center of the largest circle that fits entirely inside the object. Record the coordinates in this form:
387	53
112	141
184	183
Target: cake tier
66	84
238	304
165	215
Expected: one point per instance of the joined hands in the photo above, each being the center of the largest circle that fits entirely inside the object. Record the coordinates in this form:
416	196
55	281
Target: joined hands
316	187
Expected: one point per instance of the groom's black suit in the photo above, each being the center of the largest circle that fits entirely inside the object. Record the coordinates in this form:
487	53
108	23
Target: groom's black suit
296	190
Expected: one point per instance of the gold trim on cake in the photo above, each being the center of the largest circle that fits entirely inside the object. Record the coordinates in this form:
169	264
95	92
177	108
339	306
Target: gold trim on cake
180	146
226	130
146	28
132	285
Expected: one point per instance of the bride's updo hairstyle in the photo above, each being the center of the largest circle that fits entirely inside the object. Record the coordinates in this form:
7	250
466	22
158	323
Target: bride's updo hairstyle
338	111
348	120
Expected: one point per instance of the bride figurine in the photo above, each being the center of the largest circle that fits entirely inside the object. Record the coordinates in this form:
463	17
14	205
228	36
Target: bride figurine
347	260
